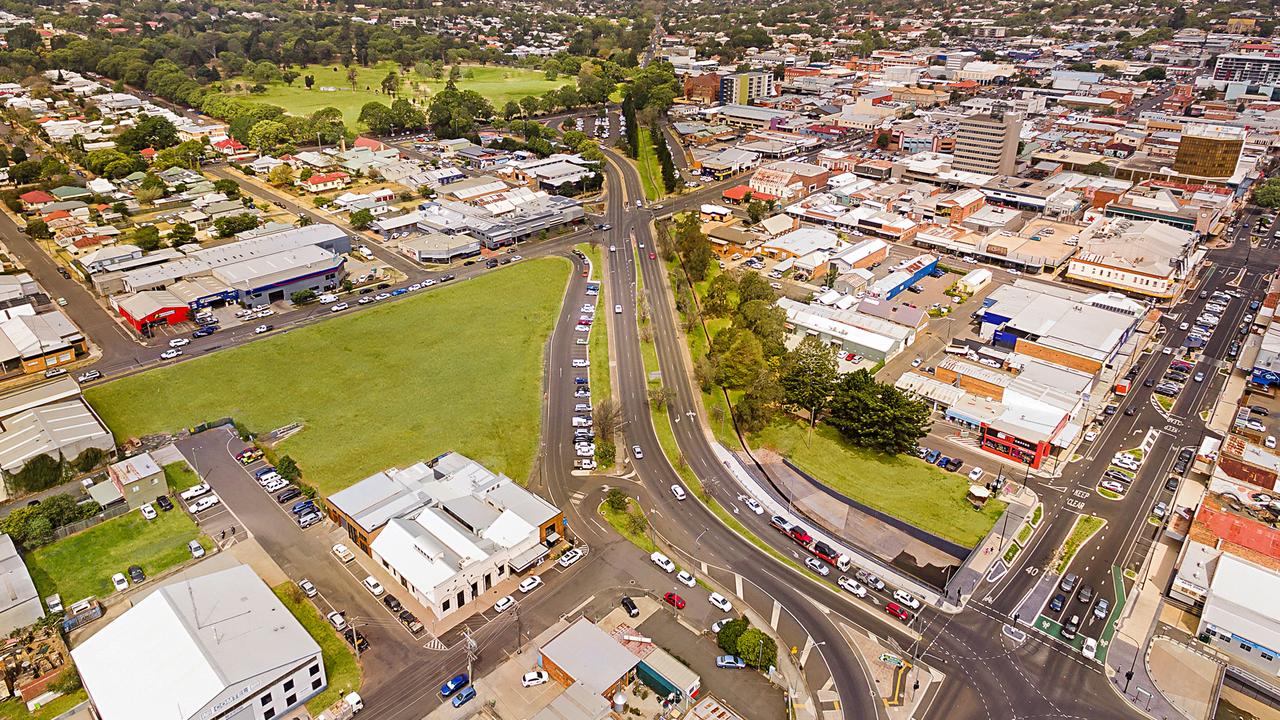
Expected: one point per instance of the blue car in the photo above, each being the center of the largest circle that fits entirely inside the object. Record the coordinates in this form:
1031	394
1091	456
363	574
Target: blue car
303	506
932	456
465	697
453	685
263	471
204	331
399	291
943	461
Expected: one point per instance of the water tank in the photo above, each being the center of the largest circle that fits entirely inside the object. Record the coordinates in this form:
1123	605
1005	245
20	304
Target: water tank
620	703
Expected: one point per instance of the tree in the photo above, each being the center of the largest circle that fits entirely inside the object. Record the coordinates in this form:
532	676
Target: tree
755	211
1097	168
390	82
739	357
182	234
1268	194
23	37
267	134
510	110
608	418
807	376
721	295
227	187
882	141
302	297
309	81
147	237
876	415
729	634
228	226
616	500
757	649
151	131
1155	72
38	229
352	77
289	76
280	175
26	171
361	219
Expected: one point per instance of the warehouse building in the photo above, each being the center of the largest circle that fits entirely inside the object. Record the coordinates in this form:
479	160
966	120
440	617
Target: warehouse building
438	248
49	419
220	645
500	223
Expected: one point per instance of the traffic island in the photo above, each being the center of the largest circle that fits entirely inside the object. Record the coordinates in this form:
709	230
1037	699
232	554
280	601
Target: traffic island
904	684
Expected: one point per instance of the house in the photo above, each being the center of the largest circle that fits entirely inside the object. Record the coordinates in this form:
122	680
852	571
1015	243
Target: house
139	480
34	343
323	182
36	200
19	604
447	530
232	148
199	648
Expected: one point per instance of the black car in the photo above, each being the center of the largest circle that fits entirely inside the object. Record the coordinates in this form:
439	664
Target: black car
1148	382
1086	594
410	622
1171	484
446	278
954	464
1117	476
287	495
355	639
383	286
63	272
392	603
136	575
1110	409
1259	410
1184	460
491	263
366	291
630	606
1128	411
165	503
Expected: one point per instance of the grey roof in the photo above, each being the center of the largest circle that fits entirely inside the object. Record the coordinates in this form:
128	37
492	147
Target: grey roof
206	259
276	267
48	429
59	389
472	512
530	507
590	655
16	586
375	500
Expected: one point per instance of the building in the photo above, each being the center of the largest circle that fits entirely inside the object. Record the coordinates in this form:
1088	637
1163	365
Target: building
745	88
987	143
447	530
19	604
138	480
438	248
1143	258
51	419
35	343
1241	615
849	330
1209	151
215	646
1250	68
512	216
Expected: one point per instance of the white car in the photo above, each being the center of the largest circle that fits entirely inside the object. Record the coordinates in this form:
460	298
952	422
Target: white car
1090	648
194	491
686	578
906	599
530	584
120	582
179	342
203	504
916	362
584	451
678	492
617	309
613	248
721	602
636	452
341	552
755	506
817	566
382	296
505	603
975	475
579	362
373	586
170	354
582	341
339	307
852	586
534	678
261	329
1091	436
337	621
264	312
1184	326
415	287
148	512
569	558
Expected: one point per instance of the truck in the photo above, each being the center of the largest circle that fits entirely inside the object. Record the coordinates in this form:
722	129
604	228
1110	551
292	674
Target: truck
825	553
343	709
1122	386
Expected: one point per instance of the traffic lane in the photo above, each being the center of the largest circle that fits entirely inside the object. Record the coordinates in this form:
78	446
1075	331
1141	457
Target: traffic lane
301	553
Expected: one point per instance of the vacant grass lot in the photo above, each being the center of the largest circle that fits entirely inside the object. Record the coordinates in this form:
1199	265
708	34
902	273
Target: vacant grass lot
82	565
15	709
497	84
903	486
456	368
340	665
179	476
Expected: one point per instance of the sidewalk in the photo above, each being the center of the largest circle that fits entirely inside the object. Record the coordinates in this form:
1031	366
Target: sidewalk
988	558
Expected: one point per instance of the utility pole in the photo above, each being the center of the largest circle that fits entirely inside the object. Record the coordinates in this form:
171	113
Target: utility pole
471	653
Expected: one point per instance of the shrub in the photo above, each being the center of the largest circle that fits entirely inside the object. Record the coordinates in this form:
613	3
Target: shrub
616	500
757	649
728	636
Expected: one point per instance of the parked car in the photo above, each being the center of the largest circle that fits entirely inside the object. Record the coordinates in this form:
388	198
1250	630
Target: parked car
453	685
569	558
1058	602
686	578
674	600
373	586
530	584
720	602
534	678
730	662
464	697
341	552
136	575
119	582
852	586
307	588
505	603
897	611
165	503
148	512
203	504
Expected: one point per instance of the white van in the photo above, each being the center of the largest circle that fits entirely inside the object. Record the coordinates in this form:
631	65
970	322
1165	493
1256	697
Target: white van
663	562
328	298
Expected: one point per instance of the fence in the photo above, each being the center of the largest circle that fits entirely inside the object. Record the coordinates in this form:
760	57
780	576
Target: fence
72	528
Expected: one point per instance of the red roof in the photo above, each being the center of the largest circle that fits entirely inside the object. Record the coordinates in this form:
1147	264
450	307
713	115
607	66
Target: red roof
56	215
325	178
88	241
364	142
229	143
147	153
740	192
35	197
1241	531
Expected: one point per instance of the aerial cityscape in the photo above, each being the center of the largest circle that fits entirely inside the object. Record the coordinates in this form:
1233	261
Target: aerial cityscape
569	360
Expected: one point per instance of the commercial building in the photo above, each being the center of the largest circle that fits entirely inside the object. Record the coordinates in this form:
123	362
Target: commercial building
988	143
1251	68
745	88
515	217
905	275
438	248
19	604
1143	258
847	329
1241	615
449	529
215	646
34	343
49	419
1209	151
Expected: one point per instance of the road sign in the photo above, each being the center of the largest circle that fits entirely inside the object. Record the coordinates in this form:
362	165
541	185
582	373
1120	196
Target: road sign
893	660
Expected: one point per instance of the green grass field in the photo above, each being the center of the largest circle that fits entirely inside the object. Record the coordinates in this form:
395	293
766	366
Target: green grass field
598	347
617	519
650	170
498	84
903	486
340	665
82	565
456	368
17	710
1085	527
179	476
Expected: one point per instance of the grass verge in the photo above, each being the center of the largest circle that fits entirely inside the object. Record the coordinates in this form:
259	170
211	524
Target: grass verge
1165	403
620	521
340	665
1037	514
179	476
1012	552
904	487
1024	534
411	379
1086	526
598	345
15	709
82	564
647	162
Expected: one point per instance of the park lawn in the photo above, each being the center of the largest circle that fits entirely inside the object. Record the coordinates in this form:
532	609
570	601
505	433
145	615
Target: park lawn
903	486
647	162
179	476
82	565
340	666
454	368
498	84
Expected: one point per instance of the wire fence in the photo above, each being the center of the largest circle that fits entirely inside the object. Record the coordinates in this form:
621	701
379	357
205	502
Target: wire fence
72	528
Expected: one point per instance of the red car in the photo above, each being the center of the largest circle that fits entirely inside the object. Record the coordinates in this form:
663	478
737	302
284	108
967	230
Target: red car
652	256
897	611
585	273
674	600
